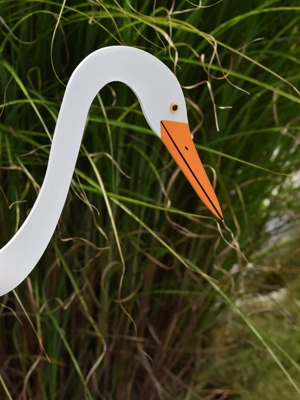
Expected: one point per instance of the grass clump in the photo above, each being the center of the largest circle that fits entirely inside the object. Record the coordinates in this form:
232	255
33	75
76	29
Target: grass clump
138	296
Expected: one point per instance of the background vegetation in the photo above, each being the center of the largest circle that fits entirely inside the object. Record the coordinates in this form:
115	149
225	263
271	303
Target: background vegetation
139	296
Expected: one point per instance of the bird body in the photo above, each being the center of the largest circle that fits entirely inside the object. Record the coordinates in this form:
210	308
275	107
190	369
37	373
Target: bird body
159	93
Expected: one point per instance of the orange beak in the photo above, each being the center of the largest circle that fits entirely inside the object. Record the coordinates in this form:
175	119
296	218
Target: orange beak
178	140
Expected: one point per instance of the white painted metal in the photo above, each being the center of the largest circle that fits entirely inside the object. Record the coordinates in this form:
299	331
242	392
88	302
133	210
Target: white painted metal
156	88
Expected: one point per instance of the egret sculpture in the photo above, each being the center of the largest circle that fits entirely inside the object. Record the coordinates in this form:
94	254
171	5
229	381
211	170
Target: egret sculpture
164	108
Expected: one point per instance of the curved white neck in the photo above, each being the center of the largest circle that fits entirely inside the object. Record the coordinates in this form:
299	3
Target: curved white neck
142	73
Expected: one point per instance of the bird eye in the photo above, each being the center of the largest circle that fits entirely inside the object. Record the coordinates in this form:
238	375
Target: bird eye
174	107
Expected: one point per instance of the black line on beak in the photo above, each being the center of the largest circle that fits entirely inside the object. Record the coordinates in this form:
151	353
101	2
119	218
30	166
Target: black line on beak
182	156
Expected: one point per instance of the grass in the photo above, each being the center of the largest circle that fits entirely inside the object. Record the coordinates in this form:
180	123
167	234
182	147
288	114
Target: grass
137	295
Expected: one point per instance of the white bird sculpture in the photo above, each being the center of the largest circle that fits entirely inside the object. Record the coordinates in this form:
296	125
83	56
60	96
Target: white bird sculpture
163	105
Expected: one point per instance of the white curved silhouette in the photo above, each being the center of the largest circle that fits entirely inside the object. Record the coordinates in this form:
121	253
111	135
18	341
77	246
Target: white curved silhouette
156	88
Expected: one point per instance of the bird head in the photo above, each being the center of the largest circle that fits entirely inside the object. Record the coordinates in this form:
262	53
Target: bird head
165	111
